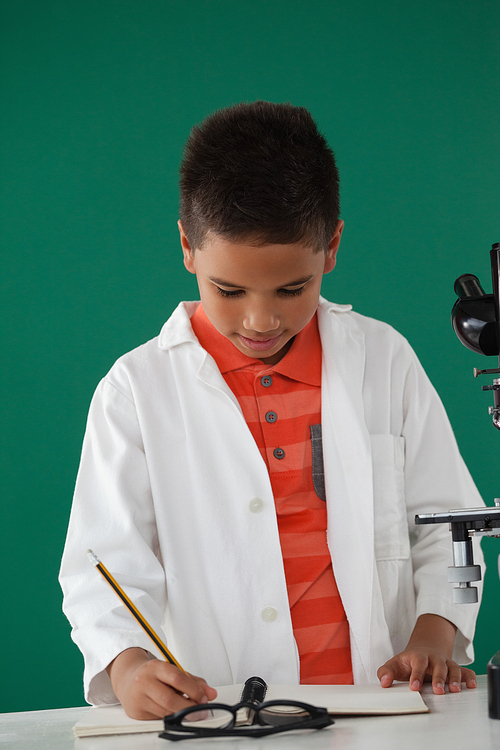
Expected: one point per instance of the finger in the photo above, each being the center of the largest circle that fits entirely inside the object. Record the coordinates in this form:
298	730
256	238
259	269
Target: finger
418	671
386	675
182	682
458	675
142	710
454	677
210	692
397	668
147	709
159	689
439	675
153	700
163	700
469	677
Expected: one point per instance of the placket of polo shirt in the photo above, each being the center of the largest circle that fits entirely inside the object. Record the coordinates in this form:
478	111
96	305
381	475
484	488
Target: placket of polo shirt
270	416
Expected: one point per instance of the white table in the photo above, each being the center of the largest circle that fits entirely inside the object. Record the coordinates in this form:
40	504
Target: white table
456	721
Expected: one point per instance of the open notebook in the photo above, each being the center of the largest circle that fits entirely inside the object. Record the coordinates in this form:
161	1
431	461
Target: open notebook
341	700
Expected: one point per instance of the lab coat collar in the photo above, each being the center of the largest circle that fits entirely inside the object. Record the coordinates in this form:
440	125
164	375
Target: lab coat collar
177	330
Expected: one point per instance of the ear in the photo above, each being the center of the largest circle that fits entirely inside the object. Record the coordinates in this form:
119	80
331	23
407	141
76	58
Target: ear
186	250
331	255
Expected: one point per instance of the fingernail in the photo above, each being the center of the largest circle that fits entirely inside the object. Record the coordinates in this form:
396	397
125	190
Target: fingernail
204	699
416	685
385	680
456	685
440	686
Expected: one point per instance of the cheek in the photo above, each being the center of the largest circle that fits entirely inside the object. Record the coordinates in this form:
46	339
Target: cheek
306	308
221	312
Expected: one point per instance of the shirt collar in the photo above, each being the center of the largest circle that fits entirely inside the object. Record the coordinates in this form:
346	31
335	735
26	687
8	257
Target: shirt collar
302	362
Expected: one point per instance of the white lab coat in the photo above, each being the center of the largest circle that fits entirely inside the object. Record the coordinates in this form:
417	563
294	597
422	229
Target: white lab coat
168	472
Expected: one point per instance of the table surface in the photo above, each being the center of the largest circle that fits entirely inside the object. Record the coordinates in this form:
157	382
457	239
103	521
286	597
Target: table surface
456	720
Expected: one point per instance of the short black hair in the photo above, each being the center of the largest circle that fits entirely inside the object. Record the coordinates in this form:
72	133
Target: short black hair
259	172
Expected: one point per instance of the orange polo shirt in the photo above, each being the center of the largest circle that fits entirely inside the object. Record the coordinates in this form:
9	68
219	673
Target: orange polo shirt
280	403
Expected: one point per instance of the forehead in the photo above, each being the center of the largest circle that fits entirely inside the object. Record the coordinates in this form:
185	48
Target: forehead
242	263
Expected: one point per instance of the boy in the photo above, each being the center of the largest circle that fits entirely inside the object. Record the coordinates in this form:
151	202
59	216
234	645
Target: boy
251	475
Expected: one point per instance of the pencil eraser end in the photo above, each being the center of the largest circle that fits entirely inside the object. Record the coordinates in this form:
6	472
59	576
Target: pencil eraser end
93	559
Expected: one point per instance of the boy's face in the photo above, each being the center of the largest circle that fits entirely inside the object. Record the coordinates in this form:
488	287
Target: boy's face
259	298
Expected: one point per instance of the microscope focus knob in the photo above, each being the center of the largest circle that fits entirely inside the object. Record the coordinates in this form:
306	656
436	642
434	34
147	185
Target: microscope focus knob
465	595
464	573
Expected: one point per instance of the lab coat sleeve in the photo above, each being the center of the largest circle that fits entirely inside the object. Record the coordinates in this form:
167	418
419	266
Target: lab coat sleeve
436	480
113	515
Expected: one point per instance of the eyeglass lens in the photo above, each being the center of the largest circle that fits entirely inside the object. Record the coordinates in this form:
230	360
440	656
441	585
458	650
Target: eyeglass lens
218	718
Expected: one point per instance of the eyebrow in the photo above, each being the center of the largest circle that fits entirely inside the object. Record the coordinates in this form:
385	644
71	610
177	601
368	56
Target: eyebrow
297	282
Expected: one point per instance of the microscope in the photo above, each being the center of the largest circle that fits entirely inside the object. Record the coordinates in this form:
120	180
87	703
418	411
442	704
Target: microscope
476	321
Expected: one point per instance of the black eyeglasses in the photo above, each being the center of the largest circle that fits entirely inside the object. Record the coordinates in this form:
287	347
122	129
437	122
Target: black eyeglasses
245	719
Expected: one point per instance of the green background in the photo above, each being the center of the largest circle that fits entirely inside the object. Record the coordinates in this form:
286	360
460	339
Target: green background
98	97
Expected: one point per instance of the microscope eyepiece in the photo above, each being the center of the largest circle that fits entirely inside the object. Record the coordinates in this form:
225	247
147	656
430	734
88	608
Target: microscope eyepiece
468	285
474	316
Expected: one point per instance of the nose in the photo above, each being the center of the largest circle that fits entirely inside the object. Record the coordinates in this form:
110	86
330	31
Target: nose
261	318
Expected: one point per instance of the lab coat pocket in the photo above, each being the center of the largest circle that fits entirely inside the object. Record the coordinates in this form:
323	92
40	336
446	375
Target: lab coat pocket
391	527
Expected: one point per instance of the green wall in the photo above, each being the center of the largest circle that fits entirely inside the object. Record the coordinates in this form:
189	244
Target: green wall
98	97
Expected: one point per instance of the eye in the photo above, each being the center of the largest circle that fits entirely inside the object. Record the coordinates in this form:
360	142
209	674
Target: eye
291	292
227	293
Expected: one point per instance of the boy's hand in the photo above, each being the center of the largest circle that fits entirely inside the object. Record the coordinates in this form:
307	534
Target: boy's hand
418	664
428	656
151	689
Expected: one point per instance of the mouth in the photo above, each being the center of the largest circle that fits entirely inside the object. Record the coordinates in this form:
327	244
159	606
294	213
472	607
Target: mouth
259	345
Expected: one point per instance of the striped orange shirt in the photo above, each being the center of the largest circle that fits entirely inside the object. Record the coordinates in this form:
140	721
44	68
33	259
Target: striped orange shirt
280	403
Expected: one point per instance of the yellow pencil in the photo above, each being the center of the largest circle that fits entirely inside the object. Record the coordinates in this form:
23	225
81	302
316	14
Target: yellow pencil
133	609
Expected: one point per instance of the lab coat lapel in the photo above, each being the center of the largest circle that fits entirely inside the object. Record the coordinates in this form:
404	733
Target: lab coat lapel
177	331
348	478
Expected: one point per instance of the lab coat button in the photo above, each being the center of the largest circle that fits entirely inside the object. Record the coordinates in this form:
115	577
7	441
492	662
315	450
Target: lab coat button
271	416
268	614
255	505
279	453
266	381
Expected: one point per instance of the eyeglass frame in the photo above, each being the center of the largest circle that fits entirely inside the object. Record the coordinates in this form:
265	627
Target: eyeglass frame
319	718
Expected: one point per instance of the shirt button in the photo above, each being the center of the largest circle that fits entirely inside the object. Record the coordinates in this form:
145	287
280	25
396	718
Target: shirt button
268	614
255	505
266	381
271	416
279	453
